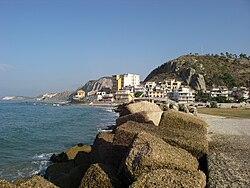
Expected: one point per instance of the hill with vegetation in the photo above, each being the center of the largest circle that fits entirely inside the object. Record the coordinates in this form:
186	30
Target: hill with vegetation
205	71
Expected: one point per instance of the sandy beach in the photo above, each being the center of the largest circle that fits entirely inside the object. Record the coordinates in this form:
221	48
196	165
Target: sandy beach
229	151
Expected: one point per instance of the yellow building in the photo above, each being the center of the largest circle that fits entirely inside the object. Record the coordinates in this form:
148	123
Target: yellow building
117	83
122	96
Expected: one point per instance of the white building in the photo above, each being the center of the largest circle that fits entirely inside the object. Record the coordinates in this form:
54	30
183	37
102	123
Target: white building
149	86
219	91
130	80
182	95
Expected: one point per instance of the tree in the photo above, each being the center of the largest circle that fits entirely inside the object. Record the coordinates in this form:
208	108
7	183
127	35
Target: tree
138	93
243	55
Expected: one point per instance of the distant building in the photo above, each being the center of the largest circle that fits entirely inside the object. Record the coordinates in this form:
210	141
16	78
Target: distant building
104	91
117	83
122	96
219	91
108	98
125	80
130	80
149	86
172	85
80	94
182	95
156	93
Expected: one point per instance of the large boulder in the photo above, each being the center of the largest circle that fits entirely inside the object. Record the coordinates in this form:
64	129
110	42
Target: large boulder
102	148
37	182
100	175
171	178
141	117
33	182
66	174
139	107
194	143
149	153
57	173
182	121
5	184
183	108
70	153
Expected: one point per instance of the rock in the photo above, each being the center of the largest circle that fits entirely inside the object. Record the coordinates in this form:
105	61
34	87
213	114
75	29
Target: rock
213	104
141	117
102	148
58	170
171	178
95	85
183	108
82	158
5	184
37	182
139	107
198	82
193	110
178	120
76	174
194	143
70	153
33	182
187	75
100	175
149	153
174	106
164	106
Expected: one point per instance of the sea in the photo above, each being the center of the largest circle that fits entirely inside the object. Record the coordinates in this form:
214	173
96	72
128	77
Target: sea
31	131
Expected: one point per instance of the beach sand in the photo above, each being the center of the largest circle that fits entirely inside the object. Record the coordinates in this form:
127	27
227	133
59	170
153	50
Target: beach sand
229	151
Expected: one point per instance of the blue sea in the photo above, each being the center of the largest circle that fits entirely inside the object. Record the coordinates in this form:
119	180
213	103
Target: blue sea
31	132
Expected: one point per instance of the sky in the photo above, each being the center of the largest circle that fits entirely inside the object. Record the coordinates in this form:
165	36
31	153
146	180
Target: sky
58	45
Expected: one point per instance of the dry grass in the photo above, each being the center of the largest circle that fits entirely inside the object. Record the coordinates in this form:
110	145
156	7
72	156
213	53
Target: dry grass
226	112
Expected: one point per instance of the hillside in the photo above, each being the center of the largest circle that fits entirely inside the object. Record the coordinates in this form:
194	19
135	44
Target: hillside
95	85
204	71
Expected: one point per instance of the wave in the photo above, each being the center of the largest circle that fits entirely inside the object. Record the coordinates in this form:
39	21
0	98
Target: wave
42	162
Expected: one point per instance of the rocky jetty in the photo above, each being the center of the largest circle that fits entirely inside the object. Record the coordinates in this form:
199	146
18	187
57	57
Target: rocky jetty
147	148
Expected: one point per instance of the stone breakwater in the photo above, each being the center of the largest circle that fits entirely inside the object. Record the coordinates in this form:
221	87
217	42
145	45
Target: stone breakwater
147	148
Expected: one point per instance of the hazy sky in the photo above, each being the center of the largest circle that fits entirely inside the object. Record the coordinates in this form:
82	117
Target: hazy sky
57	45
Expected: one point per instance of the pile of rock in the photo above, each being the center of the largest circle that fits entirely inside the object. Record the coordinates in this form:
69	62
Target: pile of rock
148	148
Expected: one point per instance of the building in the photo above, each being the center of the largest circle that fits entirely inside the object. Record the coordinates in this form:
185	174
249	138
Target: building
171	85
125	80
123	96
219	91
156	93
102	93
182	95
149	86
130	80
117	83
80	94
108	98
240	92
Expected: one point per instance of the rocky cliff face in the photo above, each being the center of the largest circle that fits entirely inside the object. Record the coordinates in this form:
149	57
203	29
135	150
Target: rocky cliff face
202	71
66	95
95	85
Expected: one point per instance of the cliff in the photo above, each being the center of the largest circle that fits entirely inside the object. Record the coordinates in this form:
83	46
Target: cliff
95	85
204	71
66	95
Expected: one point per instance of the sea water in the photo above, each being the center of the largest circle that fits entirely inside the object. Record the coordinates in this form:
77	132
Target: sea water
31	132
